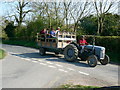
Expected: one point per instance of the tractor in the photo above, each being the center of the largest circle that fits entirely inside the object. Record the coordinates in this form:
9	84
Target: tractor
65	43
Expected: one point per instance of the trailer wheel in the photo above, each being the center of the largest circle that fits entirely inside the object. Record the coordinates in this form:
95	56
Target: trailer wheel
71	53
42	51
105	60
92	60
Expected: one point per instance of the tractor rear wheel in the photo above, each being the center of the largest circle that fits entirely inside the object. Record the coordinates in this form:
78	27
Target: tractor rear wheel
42	51
105	60
92	60
71	53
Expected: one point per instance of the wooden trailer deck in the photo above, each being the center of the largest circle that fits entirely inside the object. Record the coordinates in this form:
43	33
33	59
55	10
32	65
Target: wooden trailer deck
61	40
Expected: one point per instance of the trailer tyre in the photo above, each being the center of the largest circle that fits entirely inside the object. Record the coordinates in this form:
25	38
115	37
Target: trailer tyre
42	51
92	60
105	60
71	53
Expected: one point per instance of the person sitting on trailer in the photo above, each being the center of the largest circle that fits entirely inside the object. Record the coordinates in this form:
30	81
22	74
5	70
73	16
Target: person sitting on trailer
52	33
42	33
57	30
82	43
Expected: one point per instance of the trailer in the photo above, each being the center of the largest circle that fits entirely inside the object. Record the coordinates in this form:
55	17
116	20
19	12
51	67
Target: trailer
65	43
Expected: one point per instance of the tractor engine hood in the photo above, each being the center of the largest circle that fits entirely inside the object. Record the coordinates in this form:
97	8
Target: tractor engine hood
99	51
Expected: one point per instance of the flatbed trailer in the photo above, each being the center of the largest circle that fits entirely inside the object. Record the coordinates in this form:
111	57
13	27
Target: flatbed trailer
56	44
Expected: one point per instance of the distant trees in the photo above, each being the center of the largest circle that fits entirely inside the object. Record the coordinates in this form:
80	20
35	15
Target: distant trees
79	10
102	7
111	25
89	25
84	17
10	29
21	12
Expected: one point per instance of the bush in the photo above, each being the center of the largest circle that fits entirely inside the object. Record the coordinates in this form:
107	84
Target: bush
111	43
32	44
2	54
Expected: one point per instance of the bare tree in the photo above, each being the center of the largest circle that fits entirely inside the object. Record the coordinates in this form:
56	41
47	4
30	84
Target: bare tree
79	10
39	9
102	7
66	12
57	12
20	12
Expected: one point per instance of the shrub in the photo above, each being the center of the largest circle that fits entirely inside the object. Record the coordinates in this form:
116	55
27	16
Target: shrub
111	43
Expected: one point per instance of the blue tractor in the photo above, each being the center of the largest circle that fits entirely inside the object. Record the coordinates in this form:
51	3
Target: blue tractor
90	53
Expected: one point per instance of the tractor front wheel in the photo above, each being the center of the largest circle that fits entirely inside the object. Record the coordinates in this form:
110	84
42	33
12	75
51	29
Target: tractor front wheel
105	60
92	60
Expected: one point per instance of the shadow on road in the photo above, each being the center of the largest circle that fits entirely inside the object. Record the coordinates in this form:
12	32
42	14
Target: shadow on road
35	55
52	58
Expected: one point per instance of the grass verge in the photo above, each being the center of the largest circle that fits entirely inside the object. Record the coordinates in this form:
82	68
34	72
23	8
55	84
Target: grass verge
79	87
2	54
21	43
114	57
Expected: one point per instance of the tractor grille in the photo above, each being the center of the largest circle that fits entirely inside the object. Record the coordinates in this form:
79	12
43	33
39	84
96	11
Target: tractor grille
99	51
102	54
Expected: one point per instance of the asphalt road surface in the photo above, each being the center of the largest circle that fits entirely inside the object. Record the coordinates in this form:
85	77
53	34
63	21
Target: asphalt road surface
24	68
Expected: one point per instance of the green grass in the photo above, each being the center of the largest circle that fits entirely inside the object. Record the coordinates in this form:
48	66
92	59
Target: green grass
114	57
21	43
79	87
2	54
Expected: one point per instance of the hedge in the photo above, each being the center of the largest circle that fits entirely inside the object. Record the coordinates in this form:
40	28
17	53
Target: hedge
111	43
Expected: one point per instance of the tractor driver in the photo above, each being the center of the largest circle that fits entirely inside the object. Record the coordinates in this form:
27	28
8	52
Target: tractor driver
82	43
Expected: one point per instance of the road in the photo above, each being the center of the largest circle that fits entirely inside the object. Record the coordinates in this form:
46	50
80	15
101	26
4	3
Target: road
24	68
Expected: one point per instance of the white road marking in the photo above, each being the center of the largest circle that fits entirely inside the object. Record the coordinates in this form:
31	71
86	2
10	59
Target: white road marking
22	58
43	64
62	70
49	62
51	66
71	69
35	61
59	65
83	73
26	59
14	53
